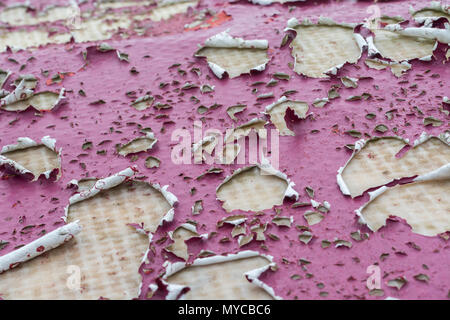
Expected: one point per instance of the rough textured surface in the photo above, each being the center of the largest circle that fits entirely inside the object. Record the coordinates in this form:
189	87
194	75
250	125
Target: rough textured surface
378	162
424	205
251	190
221	281
108	251
162	56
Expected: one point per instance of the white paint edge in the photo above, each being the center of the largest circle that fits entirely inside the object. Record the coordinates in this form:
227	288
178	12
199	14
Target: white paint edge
441	173
25	143
21	92
37	247
293	23
266	167
115	180
359	145
434	6
225	40
148	135
252	276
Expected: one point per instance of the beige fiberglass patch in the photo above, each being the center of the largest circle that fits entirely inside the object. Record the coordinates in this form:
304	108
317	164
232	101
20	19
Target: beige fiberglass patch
424	204
255	188
169	8
181	234
137	145
227	151
84	26
323	48
22	15
397	68
232	276
398	47
115	4
116	215
245	129
234	56
40	101
374	162
401	45
23	39
277	112
427	15
32	159
269	2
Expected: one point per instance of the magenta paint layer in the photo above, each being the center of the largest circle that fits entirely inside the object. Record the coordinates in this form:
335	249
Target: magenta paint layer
310	158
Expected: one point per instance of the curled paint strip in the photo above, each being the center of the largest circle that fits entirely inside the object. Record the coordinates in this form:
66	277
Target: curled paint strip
176	291
24	143
324	21
441	173
45	243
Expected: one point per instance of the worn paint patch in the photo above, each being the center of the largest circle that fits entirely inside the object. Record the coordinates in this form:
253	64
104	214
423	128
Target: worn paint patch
234	56
137	145
429	14
233	276
392	45
182	233
143	103
277	112
109	247
169	8
22	15
424	204
31	159
116	4
41	101
39	246
323	48
397	68
23	39
89	26
245	129
253	189
374	163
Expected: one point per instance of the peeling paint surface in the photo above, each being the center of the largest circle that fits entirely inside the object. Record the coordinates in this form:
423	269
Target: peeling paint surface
221	280
423	204
377	164
156	59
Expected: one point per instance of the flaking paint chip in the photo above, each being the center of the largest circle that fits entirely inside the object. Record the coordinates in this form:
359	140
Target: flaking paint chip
143	103
244	130
182	233
117	215
397	68
254	188
234	56
137	145
322	48
428	15
232	276
32	159
398	44
374	162
40	101
313	217
277	112
423	204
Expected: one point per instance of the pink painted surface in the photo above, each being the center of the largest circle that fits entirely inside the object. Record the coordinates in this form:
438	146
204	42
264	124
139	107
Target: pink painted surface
309	159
